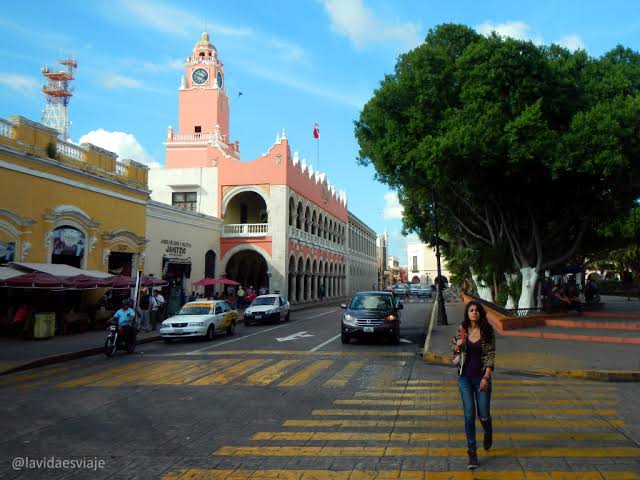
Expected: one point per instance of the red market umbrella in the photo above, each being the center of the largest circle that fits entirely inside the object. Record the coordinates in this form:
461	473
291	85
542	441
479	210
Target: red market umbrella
120	281
148	281
207	281
85	282
36	280
227	281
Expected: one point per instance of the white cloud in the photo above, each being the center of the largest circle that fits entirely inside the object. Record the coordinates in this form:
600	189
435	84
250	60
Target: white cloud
120	81
175	21
571	42
23	84
122	143
392	209
170	65
279	76
516	29
354	20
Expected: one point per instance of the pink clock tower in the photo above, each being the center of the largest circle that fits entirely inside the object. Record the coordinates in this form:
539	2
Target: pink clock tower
203	112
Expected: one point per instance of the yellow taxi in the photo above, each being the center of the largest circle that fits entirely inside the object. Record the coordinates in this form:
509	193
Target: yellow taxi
201	318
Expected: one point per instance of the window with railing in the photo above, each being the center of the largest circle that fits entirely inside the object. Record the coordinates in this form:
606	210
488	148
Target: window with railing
185	200
414	264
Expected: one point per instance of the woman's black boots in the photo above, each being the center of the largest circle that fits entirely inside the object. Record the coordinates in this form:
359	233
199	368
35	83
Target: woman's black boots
473	459
488	433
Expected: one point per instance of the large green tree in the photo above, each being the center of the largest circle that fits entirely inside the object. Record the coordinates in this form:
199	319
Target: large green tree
525	145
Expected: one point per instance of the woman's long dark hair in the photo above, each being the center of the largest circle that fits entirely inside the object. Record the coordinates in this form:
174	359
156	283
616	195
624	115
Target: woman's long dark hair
486	330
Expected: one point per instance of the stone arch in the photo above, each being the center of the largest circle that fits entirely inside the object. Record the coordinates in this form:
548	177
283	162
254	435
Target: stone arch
292	211
300	213
246	246
228	196
314	222
307	219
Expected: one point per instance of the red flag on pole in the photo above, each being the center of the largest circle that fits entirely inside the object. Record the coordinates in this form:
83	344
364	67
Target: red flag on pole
316	131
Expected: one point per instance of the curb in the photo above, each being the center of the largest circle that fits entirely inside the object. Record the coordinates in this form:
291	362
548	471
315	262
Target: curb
64	357
594	375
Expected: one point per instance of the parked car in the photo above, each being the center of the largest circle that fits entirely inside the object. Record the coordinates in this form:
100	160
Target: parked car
424	291
414	288
267	308
371	314
201	318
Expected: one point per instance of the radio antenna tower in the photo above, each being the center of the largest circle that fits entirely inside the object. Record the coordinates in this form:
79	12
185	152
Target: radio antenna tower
58	92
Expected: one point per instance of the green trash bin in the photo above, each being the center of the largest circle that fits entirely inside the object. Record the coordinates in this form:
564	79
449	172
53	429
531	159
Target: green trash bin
44	325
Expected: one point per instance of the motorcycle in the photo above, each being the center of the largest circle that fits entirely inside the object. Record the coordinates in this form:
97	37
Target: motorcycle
117	340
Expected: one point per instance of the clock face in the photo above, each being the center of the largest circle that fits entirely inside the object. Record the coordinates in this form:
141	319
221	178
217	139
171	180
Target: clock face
200	76
219	80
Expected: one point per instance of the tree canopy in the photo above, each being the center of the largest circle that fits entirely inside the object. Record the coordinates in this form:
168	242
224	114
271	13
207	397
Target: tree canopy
530	149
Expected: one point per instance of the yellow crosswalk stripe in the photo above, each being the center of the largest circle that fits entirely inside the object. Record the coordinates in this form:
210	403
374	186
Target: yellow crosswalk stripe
520	452
496	387
450	402
137	372
456	394
184	378
17	378
304	376
549	382
85	380
454	411
172	371
481	474
323	353
271	373
504	423
341	378
437	436
231	373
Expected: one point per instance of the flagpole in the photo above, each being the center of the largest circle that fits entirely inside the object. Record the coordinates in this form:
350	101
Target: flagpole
318	140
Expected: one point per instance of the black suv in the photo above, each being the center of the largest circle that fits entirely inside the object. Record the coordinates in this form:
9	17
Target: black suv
371	314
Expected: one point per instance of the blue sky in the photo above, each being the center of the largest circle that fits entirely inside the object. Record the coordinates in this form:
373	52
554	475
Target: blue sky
296	62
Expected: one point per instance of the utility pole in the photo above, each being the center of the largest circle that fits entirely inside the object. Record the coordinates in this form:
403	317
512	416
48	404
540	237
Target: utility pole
442	313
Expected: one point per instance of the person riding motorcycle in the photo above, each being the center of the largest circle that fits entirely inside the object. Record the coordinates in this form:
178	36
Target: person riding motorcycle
126	318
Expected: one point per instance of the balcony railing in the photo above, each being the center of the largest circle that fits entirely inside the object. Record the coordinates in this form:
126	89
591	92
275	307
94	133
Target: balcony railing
314	240
6	128
69	150
245	230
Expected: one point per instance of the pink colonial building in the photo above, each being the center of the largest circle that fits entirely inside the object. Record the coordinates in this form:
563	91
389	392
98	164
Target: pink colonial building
284	226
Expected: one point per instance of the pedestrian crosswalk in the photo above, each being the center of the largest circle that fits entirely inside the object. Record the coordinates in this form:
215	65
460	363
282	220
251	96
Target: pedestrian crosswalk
557	423
259	371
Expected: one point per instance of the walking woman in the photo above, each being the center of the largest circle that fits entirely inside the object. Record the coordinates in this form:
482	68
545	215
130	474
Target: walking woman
476	340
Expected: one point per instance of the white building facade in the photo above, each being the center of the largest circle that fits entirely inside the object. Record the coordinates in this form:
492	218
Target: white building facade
362	257
422	264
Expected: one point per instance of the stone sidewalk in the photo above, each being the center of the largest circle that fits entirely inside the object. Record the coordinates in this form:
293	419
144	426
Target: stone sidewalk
560	357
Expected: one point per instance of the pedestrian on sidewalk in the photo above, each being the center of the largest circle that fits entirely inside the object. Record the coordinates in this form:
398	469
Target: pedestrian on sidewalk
144	307
476	338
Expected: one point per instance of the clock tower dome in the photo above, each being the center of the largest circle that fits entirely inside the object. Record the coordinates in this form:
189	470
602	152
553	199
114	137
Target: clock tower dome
203	111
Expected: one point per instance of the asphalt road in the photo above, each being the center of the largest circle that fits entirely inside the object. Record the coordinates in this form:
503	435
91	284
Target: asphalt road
291	401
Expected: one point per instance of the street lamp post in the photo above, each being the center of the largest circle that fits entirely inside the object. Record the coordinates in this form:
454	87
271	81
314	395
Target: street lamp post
442	313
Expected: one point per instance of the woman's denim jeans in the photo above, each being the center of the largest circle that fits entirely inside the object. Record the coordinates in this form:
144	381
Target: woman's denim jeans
473	399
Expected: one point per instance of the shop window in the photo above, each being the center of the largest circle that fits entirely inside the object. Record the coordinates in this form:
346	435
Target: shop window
121	263
185	200
68	246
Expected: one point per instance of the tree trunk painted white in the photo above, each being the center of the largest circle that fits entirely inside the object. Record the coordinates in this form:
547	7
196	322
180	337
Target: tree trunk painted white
483	290
511	278
529	279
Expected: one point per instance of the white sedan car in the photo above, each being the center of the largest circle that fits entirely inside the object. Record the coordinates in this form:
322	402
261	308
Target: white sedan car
202	318
267	308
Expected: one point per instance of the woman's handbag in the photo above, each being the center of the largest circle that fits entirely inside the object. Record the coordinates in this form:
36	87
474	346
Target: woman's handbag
458	359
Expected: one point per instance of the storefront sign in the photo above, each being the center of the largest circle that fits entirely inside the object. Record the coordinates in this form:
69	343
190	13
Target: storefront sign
175	248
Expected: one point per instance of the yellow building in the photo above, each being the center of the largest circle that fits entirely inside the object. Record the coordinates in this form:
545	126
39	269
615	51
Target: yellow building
66	204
